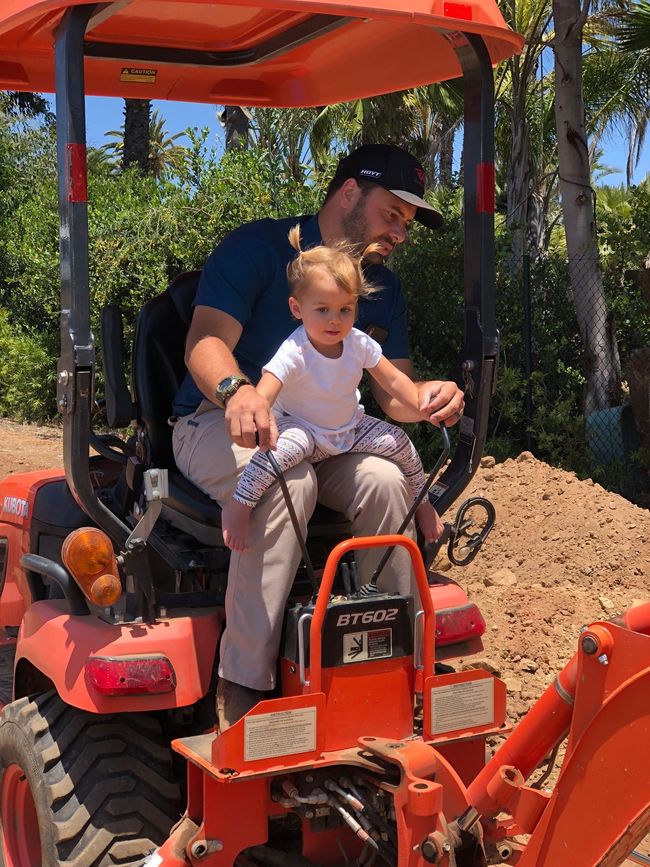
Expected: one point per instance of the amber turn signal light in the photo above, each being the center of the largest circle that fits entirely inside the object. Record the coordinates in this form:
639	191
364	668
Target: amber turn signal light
88	556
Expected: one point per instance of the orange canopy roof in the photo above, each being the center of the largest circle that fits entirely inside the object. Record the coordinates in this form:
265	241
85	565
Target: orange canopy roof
252	52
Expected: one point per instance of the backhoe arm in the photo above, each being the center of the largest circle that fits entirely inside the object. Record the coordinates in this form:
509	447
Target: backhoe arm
600	806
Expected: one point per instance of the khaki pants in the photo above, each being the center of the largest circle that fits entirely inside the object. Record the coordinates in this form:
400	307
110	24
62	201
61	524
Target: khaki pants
370	491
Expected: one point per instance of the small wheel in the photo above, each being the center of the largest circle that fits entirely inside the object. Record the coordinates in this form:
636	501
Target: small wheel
81	789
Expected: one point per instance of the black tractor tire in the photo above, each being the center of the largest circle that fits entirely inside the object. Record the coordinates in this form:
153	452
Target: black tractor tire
103	786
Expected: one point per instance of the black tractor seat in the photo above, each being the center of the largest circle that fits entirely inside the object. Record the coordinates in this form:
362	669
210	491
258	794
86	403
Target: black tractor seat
158	368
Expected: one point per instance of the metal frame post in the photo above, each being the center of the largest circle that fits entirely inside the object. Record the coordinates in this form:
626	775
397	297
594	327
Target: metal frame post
75	380
478	357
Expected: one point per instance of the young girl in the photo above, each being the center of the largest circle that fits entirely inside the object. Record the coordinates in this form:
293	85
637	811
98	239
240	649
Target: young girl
312	382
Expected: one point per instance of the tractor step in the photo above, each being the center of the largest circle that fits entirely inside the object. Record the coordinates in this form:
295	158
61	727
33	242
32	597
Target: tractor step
7	654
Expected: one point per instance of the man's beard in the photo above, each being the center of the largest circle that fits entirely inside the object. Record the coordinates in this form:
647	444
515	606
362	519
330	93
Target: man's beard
357	233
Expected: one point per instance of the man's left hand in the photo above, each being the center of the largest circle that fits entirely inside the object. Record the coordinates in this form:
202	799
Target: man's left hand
441	401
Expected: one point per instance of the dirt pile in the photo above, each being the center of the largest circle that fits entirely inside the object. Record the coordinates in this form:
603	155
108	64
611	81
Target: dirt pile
563	552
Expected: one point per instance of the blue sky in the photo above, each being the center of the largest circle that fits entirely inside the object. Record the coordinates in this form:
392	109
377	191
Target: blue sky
104	114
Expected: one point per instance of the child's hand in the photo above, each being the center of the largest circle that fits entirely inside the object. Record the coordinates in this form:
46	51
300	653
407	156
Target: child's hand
441	401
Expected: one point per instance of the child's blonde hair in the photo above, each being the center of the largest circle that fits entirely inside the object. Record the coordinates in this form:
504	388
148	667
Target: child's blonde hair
340	261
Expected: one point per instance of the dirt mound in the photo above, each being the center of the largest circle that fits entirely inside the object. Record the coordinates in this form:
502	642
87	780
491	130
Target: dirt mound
563	552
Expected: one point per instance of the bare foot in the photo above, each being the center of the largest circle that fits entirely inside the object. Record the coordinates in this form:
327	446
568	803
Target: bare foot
429	522
235	520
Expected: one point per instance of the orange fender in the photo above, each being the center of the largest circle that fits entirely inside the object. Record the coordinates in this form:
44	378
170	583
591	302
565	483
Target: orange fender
58	645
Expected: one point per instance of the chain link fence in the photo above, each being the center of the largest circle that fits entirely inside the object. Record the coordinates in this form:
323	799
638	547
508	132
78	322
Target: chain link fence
574	384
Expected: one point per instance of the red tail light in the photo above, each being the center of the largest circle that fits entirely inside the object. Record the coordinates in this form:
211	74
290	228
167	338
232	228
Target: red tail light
458	624
130	675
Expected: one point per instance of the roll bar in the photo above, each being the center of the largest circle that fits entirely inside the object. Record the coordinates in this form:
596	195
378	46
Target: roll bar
75	381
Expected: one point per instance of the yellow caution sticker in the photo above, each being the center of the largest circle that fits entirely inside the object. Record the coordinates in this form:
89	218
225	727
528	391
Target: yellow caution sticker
144	76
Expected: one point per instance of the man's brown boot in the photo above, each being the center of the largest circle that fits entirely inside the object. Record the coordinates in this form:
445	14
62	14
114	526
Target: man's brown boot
233	701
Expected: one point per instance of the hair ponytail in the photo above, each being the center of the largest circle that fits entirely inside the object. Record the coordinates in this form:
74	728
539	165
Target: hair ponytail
341	261
294	238
373	247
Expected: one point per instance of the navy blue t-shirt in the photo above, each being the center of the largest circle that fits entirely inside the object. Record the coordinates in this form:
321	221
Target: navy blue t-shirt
246	276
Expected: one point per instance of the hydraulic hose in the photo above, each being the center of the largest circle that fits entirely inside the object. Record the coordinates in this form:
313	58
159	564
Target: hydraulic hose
545	725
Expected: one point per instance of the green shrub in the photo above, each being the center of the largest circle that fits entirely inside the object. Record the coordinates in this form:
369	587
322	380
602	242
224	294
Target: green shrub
27	375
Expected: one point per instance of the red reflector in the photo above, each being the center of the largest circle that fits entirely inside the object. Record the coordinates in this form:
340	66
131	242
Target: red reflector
78	182
459	624
457	10
485	188
114	675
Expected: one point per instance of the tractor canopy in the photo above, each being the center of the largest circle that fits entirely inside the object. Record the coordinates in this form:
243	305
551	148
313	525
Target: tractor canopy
289	53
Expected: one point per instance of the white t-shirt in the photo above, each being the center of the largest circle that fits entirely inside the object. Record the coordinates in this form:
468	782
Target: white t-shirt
322	392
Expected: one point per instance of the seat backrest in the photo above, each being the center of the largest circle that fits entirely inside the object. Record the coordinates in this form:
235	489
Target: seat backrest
158	361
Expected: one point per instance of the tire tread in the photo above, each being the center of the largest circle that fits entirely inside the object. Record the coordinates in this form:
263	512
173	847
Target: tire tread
107	780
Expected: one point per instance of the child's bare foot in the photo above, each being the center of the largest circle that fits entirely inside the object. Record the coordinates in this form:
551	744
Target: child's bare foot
235	521
429	522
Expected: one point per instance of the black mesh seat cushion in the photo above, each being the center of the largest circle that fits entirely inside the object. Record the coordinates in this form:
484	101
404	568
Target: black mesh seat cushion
158	368
159	360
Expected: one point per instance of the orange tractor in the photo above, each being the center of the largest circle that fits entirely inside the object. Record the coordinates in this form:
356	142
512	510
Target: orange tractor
112	576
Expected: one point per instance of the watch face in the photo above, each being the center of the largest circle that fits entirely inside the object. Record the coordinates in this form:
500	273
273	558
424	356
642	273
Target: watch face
229	386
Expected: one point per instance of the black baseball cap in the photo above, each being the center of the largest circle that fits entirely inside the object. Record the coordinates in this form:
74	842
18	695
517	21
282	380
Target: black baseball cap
395	170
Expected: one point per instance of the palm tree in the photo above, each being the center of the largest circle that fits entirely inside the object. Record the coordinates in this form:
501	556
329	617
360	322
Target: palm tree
633	31
164	156
100	162
236	121
603	374
136	138
522	127
633	34
285	135
423	120
433	116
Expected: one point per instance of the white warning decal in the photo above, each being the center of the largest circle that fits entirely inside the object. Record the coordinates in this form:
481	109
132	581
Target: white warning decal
462	705
438	489
283	733
362	646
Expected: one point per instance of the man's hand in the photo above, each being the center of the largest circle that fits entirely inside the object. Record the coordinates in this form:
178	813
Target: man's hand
441	401
248	414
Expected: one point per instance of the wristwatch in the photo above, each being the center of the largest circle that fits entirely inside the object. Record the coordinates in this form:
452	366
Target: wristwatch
228	387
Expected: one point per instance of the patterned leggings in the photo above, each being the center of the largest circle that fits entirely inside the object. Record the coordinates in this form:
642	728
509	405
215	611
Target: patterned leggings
296	444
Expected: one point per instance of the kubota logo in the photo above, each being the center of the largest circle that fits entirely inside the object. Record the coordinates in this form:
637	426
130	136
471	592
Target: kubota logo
16	506
383	615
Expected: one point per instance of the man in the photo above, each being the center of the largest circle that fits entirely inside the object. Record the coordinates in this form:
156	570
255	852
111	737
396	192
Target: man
241	315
